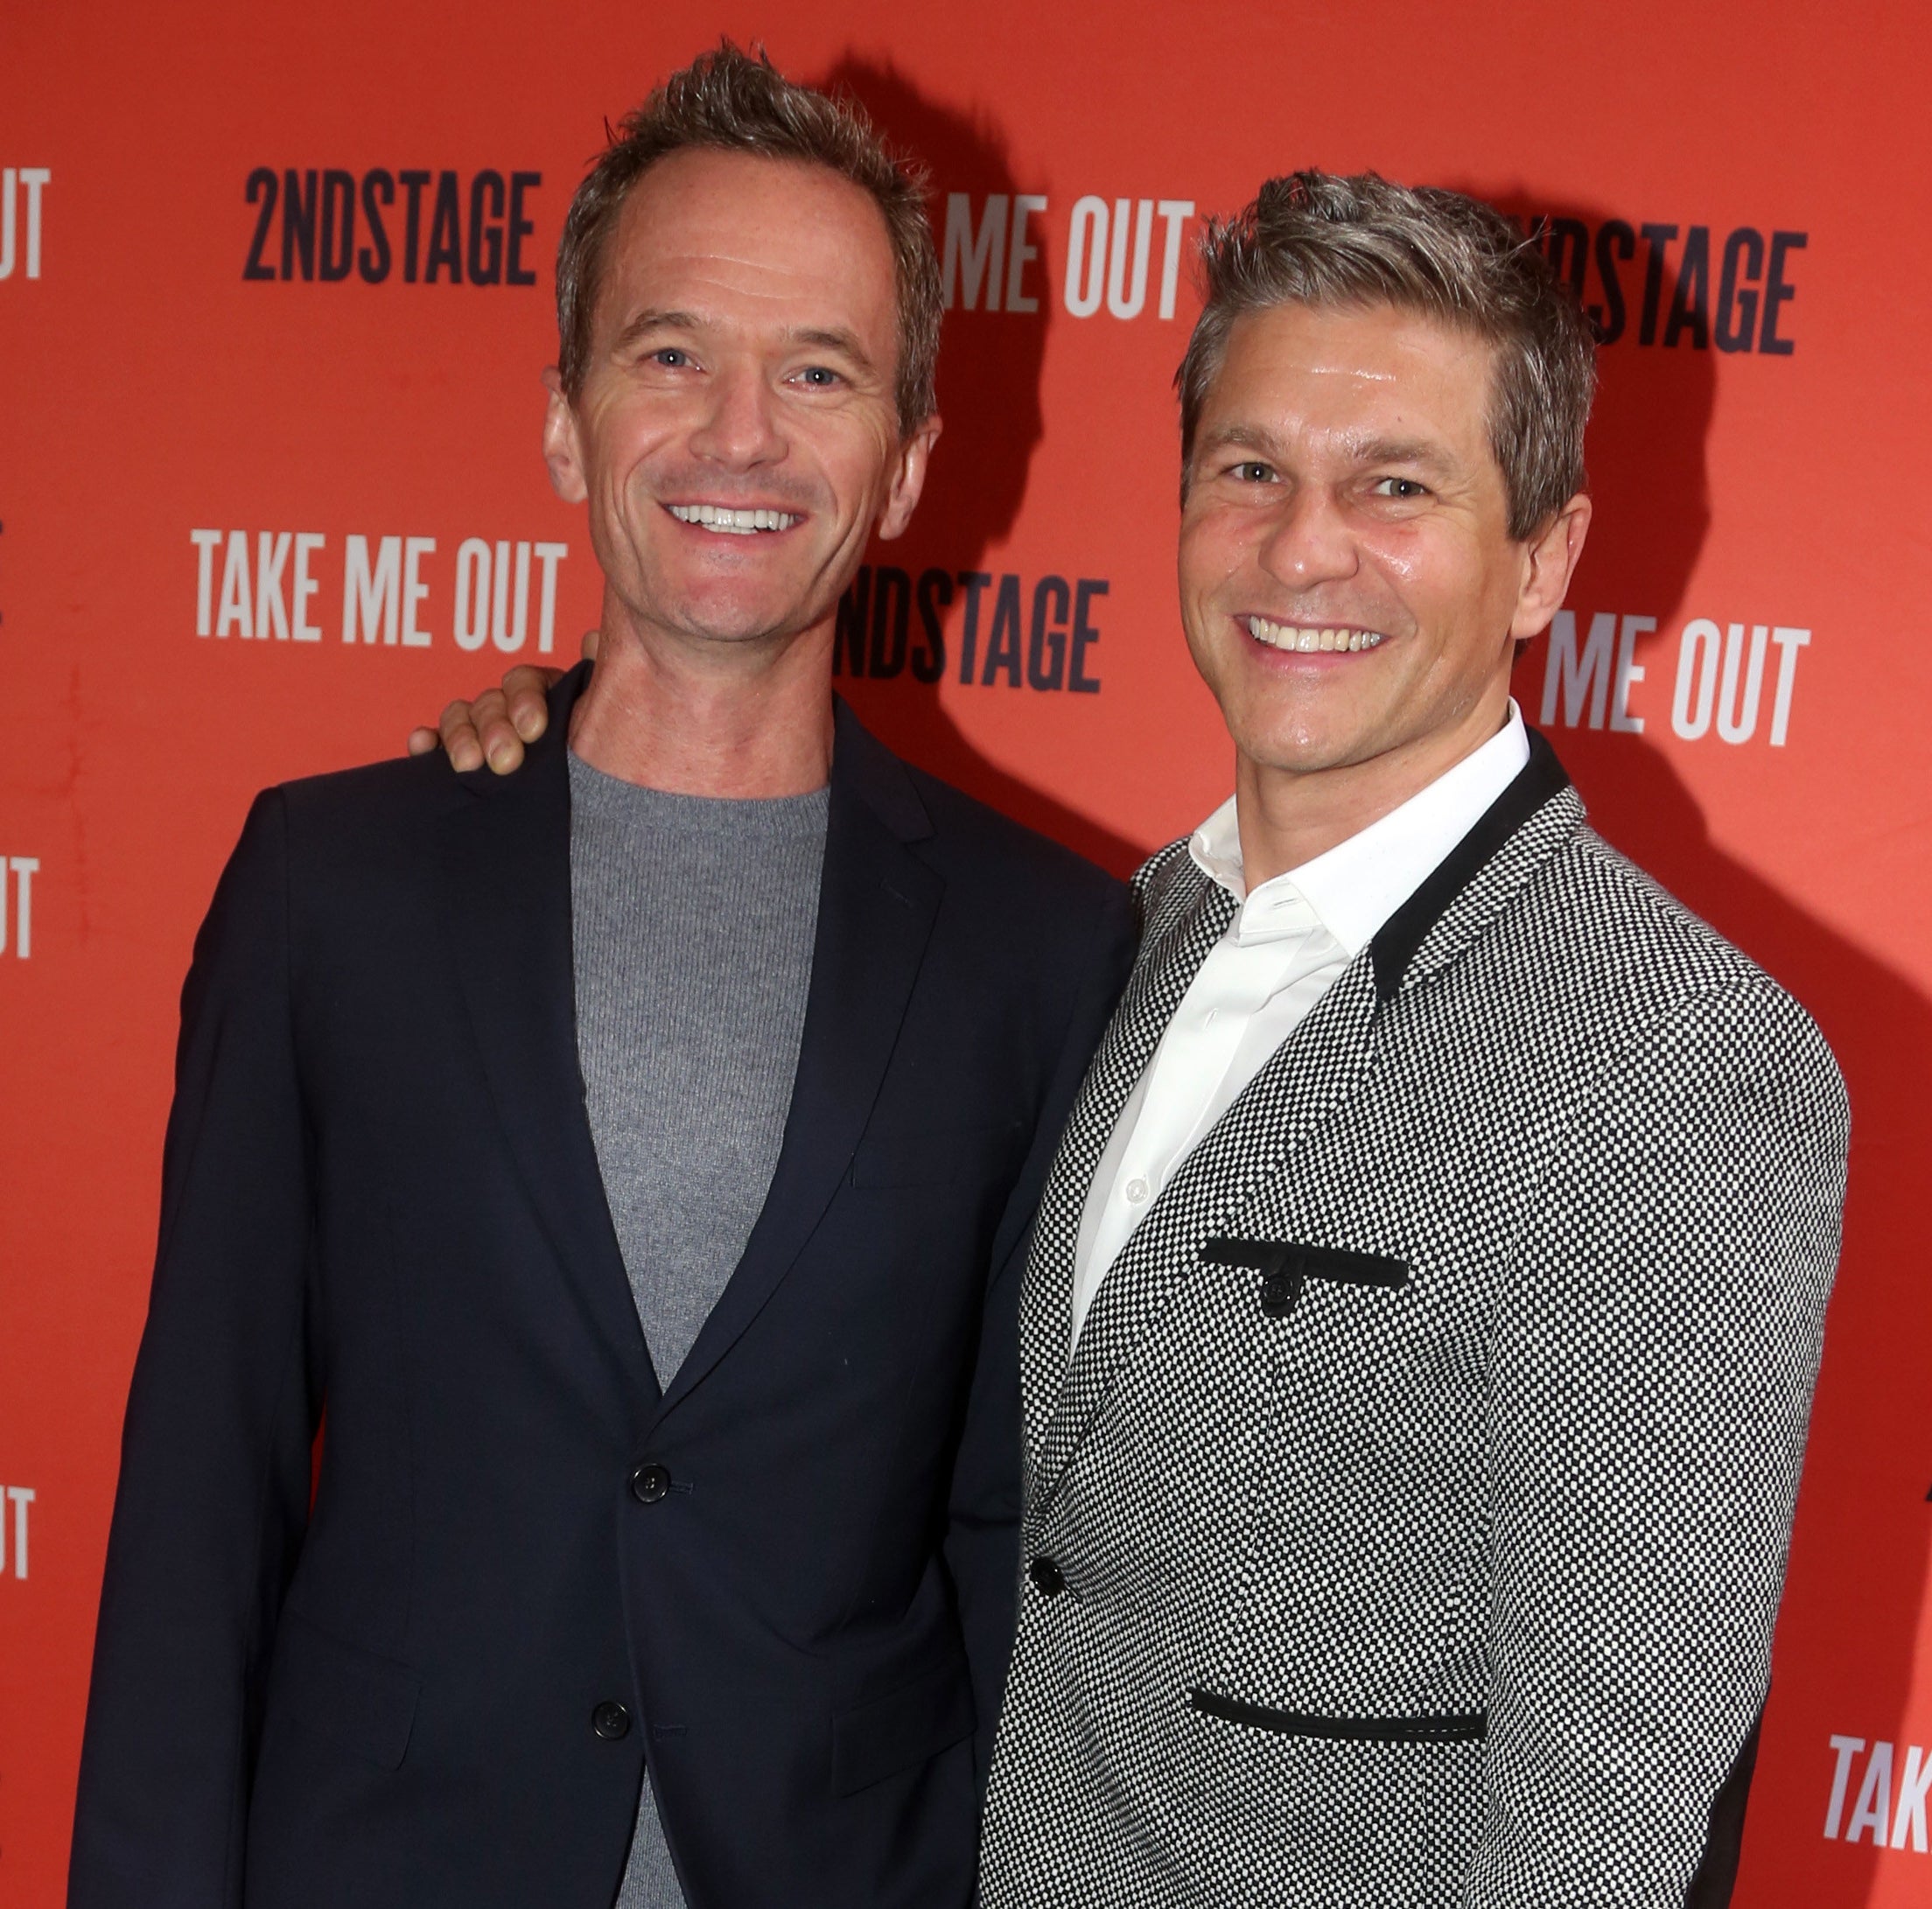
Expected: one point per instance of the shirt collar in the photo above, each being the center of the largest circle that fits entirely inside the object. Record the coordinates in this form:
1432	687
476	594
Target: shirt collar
1356	886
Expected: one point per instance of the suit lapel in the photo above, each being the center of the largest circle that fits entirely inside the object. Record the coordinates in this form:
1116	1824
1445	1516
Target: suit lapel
877	906
505	905
1185	922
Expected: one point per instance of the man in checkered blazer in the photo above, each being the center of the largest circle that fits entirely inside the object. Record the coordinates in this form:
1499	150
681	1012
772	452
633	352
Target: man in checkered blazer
1421	1326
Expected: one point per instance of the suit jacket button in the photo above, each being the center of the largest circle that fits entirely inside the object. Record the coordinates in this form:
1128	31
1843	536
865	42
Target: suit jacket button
650	1484
1278	1294
611	1721
1046	1577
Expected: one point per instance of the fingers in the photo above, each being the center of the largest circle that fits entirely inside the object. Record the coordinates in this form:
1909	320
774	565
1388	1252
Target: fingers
422	741
527	714
460	739
590	644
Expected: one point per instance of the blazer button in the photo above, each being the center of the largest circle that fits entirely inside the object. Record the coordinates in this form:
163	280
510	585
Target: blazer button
1279	1291
611	1721
1046	1577
650	1484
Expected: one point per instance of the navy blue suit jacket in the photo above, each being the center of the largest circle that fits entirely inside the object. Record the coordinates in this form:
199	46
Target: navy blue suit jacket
788	1581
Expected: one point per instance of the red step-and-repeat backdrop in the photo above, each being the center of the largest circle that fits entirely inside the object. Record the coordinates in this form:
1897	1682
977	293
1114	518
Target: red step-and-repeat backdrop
275	296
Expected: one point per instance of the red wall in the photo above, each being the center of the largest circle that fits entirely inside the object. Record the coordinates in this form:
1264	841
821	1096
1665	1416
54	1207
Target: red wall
153	387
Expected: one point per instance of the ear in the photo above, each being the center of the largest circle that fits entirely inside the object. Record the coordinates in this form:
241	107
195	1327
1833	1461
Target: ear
908	478
1550	561
562	451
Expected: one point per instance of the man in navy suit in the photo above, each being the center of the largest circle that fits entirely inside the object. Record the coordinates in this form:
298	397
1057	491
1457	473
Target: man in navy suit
633	1159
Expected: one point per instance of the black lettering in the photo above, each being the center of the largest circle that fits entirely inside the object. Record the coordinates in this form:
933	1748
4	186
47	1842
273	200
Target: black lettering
1737	296
935	592
1777	292
1002	645
1657	238
849	633
1615	240
1690	302
413	184
1569	248
1084	634
893	604
262	184
972	582
517	273
487	229
337	246
374	260
445	233
1047	647
298	222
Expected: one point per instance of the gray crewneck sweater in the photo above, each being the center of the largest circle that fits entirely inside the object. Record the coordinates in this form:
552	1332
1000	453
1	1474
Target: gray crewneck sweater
693	921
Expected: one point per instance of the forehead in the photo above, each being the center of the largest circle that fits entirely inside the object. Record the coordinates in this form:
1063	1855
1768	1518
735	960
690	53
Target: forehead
1350	370
739	238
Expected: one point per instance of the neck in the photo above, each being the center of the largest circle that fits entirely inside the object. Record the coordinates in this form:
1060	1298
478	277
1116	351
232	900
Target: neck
735	720
1287	817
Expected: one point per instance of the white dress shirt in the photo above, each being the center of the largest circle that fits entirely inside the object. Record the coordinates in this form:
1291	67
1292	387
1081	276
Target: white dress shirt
1287	943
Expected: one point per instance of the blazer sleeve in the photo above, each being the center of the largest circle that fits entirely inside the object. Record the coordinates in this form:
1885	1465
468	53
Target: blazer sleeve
213	1489
983	1529
1654	1349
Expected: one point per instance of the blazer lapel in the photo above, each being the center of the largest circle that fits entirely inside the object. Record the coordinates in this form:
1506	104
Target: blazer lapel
1322	1065
1185	925
506	903
877	906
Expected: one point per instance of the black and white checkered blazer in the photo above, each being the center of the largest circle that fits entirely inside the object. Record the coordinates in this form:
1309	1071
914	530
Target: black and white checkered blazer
1409	1525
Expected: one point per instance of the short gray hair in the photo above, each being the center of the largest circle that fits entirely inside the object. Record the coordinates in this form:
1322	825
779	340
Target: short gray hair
730	100
1318	239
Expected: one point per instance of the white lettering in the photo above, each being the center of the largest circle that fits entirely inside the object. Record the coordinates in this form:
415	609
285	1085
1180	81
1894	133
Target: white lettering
550	556
1872	1809
306	586
1017	298
33	177
1628	673
271	552
1177	212
1120	302
414	551
204	542
1909	1812
1697	651
21	1498
1736	724
236	597
1845	1748
24	867
1086	257
967	256
1790	643
369	593
472	586
1576	676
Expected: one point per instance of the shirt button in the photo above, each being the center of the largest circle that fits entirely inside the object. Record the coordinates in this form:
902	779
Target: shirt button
1136	1191
650	1484
1046	1577
611	1721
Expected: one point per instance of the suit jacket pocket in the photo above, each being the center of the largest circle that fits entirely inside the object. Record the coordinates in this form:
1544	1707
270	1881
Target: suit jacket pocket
360	1702
876	1739
1444	1727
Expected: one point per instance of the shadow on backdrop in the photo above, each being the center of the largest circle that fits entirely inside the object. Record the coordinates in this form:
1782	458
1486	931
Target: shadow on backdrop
989	395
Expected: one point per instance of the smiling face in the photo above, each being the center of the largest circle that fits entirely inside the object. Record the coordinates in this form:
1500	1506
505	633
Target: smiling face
1348	584
736	435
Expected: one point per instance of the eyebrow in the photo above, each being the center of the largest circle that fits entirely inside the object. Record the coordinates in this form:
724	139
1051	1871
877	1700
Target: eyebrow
651	320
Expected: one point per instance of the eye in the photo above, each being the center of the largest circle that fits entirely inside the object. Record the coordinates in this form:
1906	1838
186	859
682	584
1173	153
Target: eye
1252	470
672	357
819	377
1398	487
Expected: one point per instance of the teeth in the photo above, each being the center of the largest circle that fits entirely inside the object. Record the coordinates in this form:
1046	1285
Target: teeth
1291	636
739	523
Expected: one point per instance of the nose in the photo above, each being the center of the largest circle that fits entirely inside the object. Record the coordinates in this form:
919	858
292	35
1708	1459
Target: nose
1310	540
739	430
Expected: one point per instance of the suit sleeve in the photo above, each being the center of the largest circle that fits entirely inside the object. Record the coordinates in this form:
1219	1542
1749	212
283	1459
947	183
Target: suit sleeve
1653	1358
216	1447
983	1530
